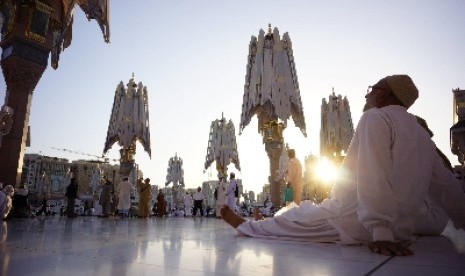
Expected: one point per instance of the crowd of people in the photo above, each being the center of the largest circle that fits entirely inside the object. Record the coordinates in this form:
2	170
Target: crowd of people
111	202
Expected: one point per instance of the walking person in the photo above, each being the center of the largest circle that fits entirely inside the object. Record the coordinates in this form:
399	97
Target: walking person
124	197
71	195
145	197
199	197
232	192
188	201
294	176
106	197
161	204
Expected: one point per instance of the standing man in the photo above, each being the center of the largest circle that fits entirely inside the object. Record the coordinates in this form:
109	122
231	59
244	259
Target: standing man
106	197
161	204
124	197
71	194
199	197
294	176
188	201
231	192
145	197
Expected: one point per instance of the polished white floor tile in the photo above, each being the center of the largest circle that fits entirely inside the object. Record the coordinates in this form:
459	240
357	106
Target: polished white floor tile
201	246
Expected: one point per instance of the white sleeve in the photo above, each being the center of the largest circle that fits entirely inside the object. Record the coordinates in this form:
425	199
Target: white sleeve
446	191
376	208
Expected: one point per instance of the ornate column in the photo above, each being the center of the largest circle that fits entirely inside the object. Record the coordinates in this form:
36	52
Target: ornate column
222	147
271	92
23	66
30	31
25	51
129	122
272	133
127	160
222	171
175	174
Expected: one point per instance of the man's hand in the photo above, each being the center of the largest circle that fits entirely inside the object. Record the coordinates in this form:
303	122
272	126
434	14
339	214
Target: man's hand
389	248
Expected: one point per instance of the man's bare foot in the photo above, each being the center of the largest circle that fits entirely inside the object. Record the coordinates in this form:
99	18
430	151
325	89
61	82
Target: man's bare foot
230	217
257	215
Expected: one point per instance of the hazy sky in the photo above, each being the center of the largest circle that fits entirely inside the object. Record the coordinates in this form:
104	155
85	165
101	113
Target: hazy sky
192	57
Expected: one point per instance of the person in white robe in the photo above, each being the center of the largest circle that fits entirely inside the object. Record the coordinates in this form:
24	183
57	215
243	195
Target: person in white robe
231	192
188	201
392	184
220	195
294	176
124	197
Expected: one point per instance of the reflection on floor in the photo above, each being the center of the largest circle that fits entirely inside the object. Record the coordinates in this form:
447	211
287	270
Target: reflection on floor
200	246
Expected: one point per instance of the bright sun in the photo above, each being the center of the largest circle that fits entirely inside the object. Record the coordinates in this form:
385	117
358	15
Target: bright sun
325	170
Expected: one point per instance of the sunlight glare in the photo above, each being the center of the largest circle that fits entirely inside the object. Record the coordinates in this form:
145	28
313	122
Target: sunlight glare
325	170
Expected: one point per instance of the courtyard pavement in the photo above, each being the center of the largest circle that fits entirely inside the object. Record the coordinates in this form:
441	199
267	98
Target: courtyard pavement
202	246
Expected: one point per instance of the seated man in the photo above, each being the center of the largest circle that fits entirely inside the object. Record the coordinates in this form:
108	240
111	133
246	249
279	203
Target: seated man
393	184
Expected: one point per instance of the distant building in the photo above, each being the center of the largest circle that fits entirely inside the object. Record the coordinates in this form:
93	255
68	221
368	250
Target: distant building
50	176
45	175
88	176
336	126
252	196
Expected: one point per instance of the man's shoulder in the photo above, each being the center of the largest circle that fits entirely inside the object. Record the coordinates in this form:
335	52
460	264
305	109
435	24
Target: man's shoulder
375	116
385	111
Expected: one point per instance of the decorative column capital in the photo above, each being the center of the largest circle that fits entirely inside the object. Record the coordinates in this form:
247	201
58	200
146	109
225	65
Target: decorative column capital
272	131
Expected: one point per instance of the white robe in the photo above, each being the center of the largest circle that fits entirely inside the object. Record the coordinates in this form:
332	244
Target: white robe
220	196
124	195
231	196
188	201
390	171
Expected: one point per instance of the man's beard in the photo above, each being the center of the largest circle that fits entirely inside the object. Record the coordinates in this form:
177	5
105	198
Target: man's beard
366	107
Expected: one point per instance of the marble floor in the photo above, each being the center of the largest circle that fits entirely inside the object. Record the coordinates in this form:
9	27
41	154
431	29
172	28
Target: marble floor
200	246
